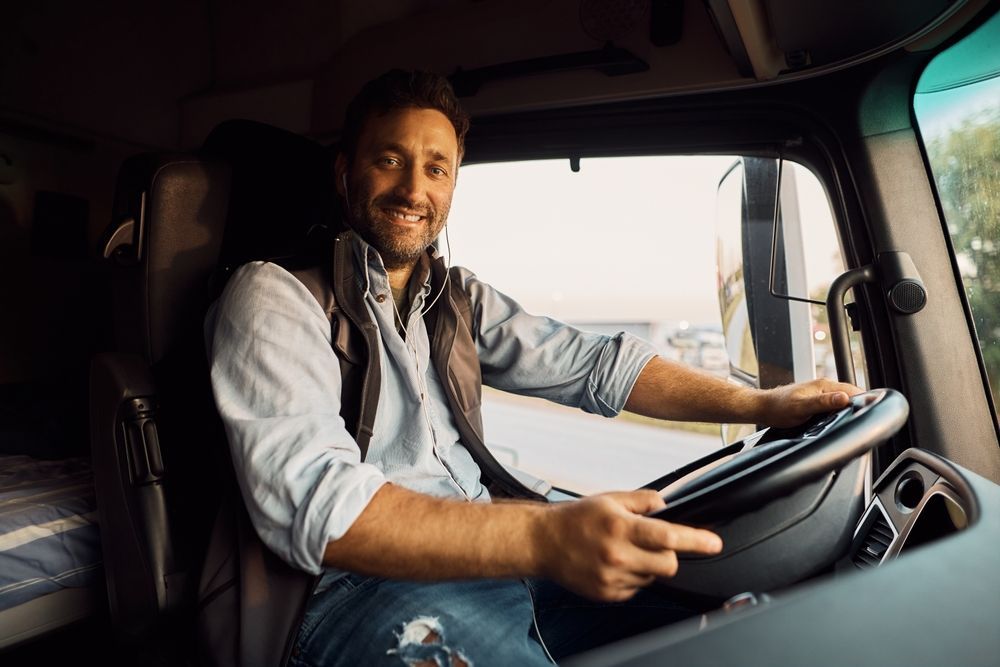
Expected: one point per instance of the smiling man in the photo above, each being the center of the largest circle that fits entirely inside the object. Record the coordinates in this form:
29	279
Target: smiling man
400	207
402	175
420	557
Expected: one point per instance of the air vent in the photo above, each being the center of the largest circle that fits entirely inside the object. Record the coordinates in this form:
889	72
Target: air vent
874	541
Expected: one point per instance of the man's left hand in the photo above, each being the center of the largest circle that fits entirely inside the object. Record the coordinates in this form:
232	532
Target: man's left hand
792	404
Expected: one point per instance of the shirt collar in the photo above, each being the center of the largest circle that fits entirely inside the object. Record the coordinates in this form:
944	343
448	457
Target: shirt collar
368	262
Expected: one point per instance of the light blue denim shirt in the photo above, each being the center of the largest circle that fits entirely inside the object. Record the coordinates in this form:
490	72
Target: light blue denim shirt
277	382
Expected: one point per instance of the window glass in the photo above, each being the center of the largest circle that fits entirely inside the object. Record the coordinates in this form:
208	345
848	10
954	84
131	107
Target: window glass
957	106
623	244
813	250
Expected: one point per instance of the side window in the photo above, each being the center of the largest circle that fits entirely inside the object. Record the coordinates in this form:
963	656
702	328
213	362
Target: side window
957	106
623	244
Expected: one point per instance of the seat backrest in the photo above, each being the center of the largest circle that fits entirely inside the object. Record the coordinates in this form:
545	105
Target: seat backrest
162	246
160	457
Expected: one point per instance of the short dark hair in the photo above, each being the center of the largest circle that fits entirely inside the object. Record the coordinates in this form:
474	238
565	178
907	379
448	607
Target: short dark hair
399	89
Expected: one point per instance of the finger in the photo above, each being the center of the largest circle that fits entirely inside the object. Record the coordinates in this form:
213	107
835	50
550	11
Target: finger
642	501
685	539
620	594
650	534
835	400
822	402
634	580
622	580
643	563
657	535
834	386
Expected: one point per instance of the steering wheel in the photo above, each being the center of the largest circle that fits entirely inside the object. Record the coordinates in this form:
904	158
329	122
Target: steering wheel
779	466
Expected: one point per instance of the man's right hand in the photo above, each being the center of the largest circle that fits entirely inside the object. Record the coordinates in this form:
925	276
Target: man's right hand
603	548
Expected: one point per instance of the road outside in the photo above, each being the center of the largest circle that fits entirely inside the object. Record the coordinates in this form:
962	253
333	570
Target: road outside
582	452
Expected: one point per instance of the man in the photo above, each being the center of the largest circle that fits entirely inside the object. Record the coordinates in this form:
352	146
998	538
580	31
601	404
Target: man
418	564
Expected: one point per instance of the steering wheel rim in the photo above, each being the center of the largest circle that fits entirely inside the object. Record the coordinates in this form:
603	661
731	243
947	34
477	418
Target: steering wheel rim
750	480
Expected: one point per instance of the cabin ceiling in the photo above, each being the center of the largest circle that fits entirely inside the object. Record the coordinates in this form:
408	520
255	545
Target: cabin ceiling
160	74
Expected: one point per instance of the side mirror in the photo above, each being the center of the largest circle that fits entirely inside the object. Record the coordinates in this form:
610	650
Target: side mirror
777	254
767	336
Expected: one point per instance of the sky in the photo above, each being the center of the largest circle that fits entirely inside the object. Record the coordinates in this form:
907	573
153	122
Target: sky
624	239
941	112
960	82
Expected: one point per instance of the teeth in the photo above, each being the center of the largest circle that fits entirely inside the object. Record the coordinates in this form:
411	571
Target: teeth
408	218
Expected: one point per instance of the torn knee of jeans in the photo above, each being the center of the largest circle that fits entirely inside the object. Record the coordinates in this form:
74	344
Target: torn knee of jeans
422	644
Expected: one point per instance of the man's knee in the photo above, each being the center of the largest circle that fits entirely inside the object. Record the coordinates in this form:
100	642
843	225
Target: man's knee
422	643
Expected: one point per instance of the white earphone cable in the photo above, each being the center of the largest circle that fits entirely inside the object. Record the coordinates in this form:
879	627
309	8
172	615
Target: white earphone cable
447	272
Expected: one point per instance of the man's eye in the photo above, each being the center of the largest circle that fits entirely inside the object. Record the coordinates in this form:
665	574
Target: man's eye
438	171
390	161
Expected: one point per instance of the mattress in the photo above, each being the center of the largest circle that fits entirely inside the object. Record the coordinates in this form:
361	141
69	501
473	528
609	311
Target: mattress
48	613
49	539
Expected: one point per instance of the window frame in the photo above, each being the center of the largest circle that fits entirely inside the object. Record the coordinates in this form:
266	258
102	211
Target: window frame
988	389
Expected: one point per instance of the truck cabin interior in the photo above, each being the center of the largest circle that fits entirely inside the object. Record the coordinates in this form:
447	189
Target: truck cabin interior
121	121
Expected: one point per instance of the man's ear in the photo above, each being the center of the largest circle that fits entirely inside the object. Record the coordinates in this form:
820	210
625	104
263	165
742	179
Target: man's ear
339	171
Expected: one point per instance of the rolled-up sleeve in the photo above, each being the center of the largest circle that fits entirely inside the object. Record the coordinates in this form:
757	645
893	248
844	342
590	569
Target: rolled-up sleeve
539	356
277	383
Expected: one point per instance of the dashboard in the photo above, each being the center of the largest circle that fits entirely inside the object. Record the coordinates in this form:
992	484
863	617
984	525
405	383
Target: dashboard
919	499
916	582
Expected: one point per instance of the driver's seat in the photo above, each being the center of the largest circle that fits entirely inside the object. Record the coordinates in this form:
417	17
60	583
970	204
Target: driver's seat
162	467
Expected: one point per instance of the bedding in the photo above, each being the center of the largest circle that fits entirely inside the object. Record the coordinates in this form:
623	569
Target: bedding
49	538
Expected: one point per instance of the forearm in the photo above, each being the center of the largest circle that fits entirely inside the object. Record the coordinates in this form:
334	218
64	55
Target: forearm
601	546
408	535
669	390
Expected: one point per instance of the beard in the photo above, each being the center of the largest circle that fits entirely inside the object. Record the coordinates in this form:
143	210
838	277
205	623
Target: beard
399	245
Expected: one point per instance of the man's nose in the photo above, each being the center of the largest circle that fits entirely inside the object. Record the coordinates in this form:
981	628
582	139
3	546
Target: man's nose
410	185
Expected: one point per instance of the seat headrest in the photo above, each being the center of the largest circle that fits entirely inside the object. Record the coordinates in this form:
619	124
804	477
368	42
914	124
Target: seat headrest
282	187
163	242
252	192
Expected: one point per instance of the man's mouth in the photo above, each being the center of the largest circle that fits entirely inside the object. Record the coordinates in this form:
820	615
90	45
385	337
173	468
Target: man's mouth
403	216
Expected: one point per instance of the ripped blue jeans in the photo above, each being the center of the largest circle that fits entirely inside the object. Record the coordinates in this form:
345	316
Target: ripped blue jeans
359	620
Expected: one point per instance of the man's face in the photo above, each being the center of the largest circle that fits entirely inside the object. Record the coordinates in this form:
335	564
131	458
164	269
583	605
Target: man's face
400	185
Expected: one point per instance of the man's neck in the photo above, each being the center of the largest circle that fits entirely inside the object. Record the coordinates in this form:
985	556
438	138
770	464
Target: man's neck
399	277
399	283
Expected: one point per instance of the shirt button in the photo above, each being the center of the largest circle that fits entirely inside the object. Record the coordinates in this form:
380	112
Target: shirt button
380	298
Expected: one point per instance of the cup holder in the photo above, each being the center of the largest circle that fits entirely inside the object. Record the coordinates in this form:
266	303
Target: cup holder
909	491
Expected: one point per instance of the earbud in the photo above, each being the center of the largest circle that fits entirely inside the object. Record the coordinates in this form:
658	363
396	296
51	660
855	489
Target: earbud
344	181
